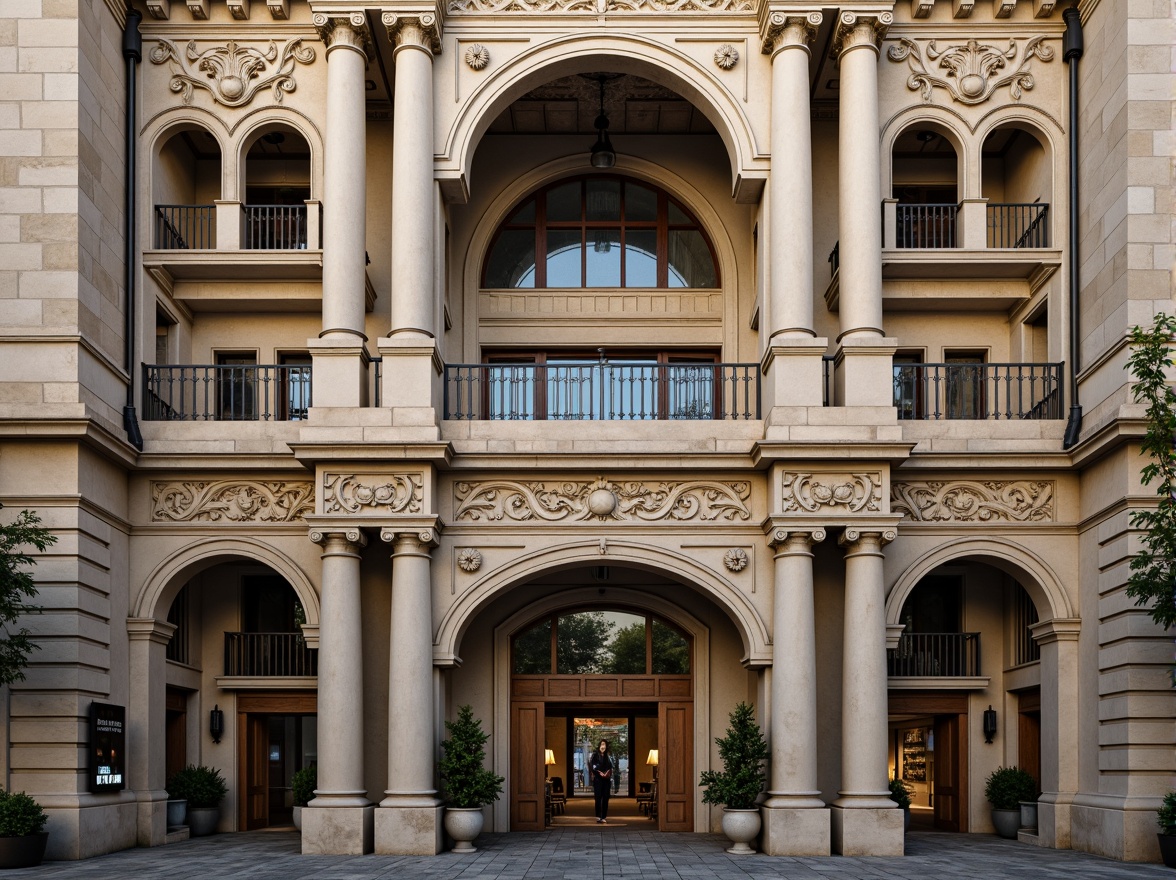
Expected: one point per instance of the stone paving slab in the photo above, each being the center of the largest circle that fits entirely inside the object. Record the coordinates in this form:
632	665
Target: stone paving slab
594	854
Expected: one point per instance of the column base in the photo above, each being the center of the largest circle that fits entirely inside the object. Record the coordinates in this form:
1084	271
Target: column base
867	832
864	374
796	831
409	830
151	820
337	831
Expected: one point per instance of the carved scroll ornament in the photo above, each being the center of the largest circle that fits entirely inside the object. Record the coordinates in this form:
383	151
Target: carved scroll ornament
398	493
598	7
231	501
232	73
971	70
974	501
854	493
600	501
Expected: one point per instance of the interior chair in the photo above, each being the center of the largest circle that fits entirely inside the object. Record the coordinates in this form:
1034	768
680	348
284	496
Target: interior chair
559	798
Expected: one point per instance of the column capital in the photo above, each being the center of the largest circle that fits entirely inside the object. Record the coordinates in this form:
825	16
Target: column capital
420	27
149	629
330	537
1056	629
345	28
858	28
790	540
424	537
866	539
786	28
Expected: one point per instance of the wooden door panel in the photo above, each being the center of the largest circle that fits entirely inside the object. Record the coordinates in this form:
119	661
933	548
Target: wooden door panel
527	775
675	790
256	772
948	773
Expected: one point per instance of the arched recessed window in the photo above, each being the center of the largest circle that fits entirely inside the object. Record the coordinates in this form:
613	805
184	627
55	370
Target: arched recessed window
600	231
609	642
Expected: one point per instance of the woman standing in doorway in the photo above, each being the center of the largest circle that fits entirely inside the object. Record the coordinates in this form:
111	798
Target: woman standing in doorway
601	767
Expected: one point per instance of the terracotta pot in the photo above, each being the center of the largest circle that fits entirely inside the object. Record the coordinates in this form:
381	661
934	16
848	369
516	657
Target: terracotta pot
1007	822
23	852
202	820
1168	849
463	824
742	827
177	812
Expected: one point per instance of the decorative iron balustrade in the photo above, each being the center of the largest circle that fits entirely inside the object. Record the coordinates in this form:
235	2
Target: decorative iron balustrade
602	391
1018	225
185	227
978	391
926	226
215	392
935	654
275	227
269	654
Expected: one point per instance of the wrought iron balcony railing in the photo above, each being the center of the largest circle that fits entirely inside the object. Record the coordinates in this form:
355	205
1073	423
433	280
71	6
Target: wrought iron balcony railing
952	655
926	226
1018	225
275	227
604	391
214	392
185	227
269	654
978	391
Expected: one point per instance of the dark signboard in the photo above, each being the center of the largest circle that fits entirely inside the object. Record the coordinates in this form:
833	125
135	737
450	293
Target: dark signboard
108	748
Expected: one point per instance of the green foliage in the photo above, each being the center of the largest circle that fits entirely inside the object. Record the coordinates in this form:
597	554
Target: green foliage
1006	787
1166	815
200	786
20	815
467	783
16	585
627	651
581	642
1153	569
303	784
743	752
900	792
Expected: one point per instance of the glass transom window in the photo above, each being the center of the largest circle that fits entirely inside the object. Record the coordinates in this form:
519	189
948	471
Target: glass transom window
600	232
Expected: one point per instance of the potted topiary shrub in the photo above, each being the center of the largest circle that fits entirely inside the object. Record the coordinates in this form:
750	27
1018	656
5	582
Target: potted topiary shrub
900	793
467	784
738	785
302	786
22	831
1166	816
203	788
1005	788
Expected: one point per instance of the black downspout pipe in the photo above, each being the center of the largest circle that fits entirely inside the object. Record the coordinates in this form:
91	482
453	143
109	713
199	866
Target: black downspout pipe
1072	51
133	53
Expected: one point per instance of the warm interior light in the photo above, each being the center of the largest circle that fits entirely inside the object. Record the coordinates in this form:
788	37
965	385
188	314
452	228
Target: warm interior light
652	759
548	757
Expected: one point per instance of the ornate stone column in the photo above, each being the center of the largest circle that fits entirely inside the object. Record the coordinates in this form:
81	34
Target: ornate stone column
792	357
339	819
146	737
1058	638
865	358
865	821
338	355
410	346
409	819
796	820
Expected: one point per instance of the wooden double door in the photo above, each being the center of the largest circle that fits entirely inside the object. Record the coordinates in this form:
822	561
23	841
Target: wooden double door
948	760
277	735
675	745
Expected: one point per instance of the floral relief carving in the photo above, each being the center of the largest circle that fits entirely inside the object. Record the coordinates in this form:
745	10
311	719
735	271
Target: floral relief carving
599	501
469	559
735	559
856	493
971	72
726	56
477	56
231	501
232	73
974	501
599	7
399	493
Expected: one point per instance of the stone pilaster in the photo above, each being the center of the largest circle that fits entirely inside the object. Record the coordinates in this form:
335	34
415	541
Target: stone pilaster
146	738
1058	639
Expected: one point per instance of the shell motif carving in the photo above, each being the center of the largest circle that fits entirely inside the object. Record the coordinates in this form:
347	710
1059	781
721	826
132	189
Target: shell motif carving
232	73
735	559
400	493
855	493
598	7
726	56
600	501
237	501
469	559
974	501
477	56
971	72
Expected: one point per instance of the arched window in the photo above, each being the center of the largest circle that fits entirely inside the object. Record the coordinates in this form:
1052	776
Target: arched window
610	642
600	231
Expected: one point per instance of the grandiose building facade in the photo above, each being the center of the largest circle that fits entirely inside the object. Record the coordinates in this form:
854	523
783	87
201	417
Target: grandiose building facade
373	359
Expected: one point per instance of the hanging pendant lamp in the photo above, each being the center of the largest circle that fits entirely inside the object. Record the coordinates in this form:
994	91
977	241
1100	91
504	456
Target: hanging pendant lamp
603	154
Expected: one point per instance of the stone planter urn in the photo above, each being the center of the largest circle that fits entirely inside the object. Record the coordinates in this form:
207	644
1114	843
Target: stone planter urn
463	824
23	852
741	827
1029	815
1007	822
298	818
202	820
1168	849
177	812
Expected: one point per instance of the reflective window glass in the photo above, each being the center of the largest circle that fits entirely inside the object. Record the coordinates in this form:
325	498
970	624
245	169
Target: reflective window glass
603	199
563	258
602	259
563	202
532	650
640	203
641	258
512	260
691	264
671	650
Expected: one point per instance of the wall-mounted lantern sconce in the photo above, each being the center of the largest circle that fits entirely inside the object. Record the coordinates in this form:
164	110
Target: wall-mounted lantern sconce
989	724
216	723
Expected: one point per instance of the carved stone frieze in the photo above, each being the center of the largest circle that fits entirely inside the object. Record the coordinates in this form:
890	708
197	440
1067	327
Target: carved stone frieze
233	73
598	7
599	501
974	500
393	493
256	501
971	71
844	492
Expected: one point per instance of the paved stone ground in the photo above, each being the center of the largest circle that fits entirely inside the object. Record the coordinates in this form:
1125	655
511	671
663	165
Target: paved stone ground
594	854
